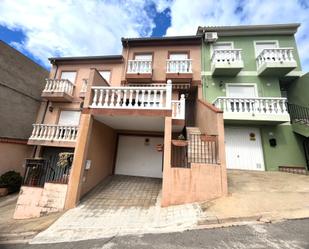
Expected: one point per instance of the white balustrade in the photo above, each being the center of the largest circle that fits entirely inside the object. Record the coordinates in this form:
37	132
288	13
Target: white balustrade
54	132
226	56
139	66
129	97
179	66
178	108
263	105
280	55
59	85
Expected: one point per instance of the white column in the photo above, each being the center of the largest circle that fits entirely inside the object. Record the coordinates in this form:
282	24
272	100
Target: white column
169	94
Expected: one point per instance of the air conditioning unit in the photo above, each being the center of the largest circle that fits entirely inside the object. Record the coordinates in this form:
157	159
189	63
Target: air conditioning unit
211	36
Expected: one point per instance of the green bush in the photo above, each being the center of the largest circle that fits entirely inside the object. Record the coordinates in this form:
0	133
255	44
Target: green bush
11	180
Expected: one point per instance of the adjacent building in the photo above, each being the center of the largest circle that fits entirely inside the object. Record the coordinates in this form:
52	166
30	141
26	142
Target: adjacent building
125	114
248	72
21	84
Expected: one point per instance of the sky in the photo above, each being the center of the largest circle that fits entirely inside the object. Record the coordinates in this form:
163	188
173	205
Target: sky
47	28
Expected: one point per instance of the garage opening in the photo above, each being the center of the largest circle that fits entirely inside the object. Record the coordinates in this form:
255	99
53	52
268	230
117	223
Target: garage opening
243	148
139	156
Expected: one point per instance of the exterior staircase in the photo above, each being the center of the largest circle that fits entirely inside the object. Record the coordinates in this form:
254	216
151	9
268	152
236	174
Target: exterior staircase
299	119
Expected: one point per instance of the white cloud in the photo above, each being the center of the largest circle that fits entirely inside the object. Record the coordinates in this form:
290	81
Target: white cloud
187	15
94	27
79	27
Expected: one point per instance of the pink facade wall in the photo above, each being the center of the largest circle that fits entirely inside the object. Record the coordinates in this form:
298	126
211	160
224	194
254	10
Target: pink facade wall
35	202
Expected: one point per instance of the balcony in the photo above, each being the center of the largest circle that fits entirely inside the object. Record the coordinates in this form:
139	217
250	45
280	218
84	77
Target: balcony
179	70
226	62
266	110
139	71
275	62
58	90
137	107
53	135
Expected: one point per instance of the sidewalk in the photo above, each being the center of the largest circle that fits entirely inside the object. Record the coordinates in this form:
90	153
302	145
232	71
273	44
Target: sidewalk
263	196
20	230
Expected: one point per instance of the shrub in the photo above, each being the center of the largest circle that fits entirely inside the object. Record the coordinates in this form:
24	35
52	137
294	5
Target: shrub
12	180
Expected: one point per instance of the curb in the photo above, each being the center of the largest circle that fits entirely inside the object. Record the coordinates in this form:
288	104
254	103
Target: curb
17	238
213	220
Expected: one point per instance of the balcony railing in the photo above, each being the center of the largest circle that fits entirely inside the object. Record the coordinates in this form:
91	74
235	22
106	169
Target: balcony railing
299	114
264	105
157	97
228	56
178	108
139	66
66	133
179	66
59	86
279	55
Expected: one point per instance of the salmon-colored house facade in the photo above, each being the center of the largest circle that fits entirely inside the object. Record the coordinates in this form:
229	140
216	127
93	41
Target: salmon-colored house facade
138	114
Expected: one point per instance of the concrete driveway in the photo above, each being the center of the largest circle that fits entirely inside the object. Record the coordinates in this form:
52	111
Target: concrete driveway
273	195
123	205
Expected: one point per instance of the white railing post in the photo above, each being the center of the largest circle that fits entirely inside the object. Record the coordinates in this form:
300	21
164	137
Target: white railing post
168	97
182	106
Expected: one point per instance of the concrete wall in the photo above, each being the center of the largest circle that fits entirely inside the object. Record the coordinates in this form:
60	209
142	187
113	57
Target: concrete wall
12	156
101	152
34	202
289	150
298	91
21	84
201	182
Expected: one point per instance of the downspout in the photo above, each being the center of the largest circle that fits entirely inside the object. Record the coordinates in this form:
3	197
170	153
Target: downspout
126	62
45	111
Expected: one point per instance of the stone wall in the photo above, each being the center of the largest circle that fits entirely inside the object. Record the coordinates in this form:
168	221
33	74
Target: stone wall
35	202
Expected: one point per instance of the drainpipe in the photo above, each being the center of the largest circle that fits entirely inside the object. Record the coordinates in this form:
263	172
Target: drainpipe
45	111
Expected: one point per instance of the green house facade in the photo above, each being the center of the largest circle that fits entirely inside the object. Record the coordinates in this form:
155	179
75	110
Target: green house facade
251	73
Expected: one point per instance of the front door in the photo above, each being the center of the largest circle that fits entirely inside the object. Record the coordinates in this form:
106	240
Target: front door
243	148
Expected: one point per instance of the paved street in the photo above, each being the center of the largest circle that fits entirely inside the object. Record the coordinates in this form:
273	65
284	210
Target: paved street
288	234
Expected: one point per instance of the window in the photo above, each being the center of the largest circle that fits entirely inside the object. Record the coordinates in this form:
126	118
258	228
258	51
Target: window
260	45
71	76
178	56
106	75
69	118
140	57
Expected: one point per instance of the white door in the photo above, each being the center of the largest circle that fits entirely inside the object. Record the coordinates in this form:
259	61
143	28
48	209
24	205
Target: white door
143	57
259	46
71	76
69	118
238	92
138	156
225	45
241	91
243	148
178	56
